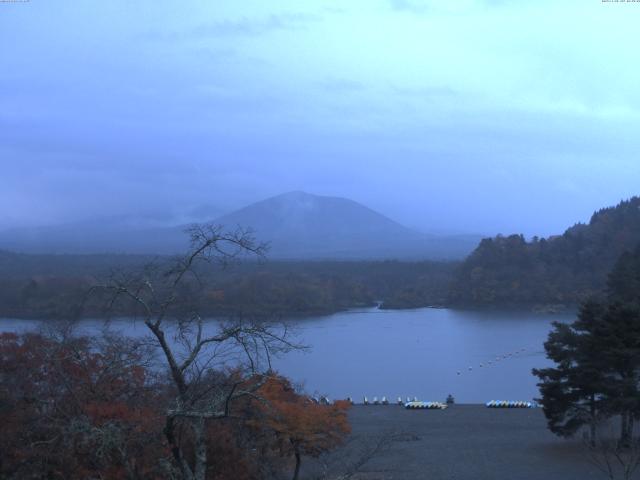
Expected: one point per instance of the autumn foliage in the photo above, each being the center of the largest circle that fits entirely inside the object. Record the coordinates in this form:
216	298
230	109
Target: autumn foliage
79	408
70	409
296	424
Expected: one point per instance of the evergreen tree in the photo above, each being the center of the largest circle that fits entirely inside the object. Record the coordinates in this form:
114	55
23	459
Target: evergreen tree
597	357
624	280
619	336
562	270
572	391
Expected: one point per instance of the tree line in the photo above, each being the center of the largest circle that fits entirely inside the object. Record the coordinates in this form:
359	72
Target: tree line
44	286
558	272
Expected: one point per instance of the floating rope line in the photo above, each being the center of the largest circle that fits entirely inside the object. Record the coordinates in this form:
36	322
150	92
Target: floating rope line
509	404
425	406
497	359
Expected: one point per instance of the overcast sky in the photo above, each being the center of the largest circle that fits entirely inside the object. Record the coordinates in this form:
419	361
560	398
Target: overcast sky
480	116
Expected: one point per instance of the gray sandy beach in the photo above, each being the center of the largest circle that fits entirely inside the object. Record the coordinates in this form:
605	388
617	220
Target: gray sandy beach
470	442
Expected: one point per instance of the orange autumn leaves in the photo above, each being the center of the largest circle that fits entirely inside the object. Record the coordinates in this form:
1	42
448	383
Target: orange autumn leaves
299	423
73	409
81	407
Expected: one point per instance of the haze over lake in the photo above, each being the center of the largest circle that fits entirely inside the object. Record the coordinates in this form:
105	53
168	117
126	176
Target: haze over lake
418	352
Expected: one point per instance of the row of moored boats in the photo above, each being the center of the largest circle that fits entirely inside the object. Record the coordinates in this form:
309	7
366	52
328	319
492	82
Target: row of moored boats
415	404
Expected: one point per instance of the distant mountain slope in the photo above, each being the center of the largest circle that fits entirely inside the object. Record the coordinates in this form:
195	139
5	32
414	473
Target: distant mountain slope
151	233
562	269
301	225
297	225
95	237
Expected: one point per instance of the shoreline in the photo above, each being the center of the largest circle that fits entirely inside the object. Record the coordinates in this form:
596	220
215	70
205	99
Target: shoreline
288	316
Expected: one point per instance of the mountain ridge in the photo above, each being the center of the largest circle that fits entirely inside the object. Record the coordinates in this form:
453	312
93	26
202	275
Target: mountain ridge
297	225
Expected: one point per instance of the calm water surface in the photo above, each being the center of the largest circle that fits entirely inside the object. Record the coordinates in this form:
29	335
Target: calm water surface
427	353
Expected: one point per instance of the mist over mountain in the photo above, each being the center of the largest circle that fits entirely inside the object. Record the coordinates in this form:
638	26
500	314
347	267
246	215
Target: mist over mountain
296	225
139	234
301	225
93	237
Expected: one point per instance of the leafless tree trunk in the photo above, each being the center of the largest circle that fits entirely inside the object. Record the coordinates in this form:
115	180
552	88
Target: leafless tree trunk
192	358
613	458
296	471
354	458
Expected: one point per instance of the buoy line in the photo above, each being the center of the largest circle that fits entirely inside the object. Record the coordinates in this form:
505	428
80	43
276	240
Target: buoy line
495	361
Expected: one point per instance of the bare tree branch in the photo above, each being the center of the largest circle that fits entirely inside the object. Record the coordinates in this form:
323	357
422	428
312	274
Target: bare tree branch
203	392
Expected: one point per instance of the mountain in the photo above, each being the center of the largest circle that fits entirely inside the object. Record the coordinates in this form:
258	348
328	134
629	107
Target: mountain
558	271
297	225
301	225
102	235
156	232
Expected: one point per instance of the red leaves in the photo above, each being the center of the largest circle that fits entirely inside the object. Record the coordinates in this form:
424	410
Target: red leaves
75	408
81	408
298	422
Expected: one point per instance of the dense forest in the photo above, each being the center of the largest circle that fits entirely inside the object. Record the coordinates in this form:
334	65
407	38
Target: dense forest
550	273
50	286
554	273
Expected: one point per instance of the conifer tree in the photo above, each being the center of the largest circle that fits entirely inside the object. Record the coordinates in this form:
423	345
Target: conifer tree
572	390
597	357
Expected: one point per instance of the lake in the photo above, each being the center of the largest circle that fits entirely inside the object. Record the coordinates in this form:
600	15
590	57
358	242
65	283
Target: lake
427	353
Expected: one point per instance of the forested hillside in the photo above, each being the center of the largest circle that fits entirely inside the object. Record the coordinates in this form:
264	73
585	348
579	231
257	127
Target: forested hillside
49	286
553	273
548	273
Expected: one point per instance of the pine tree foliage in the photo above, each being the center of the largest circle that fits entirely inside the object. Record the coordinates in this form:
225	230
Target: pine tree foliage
597	359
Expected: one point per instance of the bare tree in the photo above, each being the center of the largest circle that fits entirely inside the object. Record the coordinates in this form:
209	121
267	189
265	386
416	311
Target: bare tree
210	365
612	457
355	458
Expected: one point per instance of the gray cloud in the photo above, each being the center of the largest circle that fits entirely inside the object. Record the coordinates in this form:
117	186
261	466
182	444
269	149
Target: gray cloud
242	27
473	124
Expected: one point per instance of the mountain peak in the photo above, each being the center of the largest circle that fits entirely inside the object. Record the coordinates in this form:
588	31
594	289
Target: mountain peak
301	196
298	224
296	194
